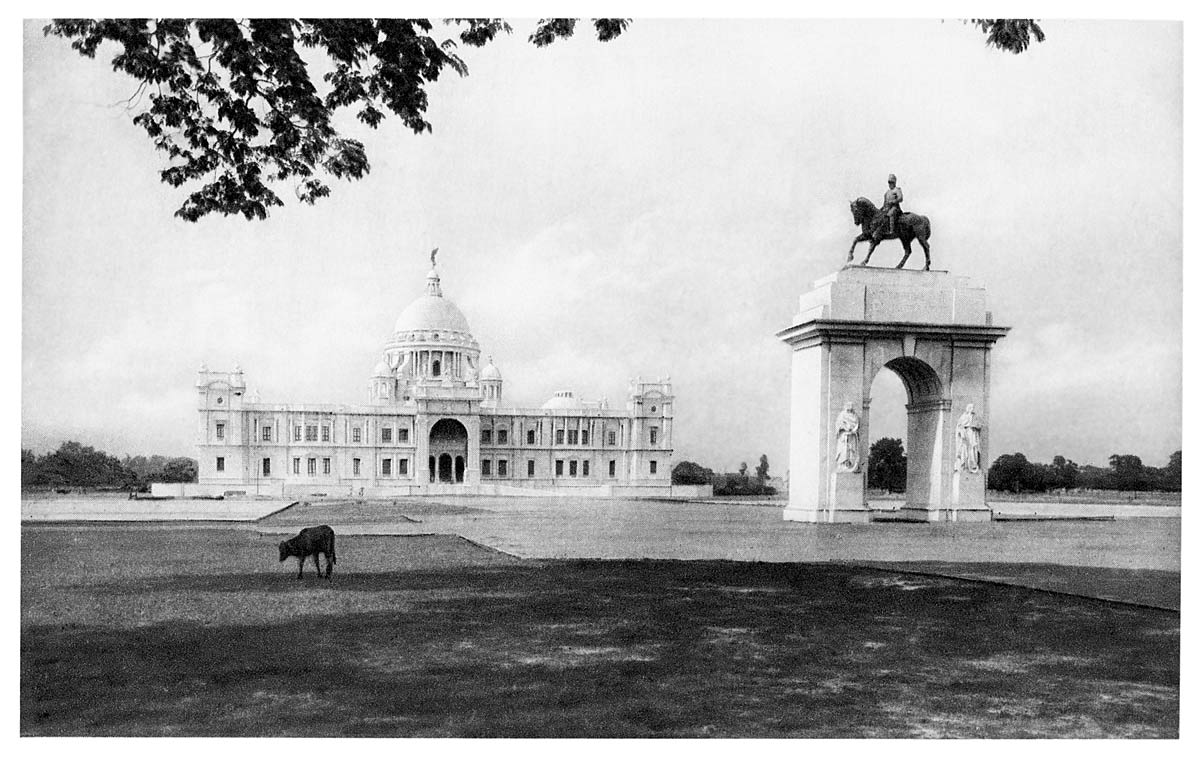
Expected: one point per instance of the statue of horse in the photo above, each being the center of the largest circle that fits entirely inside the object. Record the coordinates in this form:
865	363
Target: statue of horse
909	226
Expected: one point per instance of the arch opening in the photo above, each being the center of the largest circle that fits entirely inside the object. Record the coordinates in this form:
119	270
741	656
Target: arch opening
920	380
918	457
885	456
448	451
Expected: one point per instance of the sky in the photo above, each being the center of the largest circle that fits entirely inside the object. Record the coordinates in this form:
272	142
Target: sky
651	206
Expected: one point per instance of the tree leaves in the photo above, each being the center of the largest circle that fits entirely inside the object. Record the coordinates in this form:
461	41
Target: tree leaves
235	110
1012	35
233	106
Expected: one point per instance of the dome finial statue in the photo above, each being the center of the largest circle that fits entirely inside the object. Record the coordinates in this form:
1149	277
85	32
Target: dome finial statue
433	285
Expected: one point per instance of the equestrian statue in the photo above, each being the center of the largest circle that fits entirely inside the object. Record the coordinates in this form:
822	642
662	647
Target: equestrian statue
890	222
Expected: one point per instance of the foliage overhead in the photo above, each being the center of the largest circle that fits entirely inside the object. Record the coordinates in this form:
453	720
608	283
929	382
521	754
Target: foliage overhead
1012	35
233	105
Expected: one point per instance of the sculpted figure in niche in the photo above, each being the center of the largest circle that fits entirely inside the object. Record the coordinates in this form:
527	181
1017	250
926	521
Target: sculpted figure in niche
847	439
966	437
405	369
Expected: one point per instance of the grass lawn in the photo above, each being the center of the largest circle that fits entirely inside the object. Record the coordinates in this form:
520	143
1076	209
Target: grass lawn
203	632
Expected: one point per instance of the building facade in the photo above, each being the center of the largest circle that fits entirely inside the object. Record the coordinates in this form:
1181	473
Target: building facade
434	423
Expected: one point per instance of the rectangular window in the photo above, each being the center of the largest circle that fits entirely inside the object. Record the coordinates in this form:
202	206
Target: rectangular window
266	464
485	467
296	432
612	468
325	433
220	431
312	466
385	435
502	437
220	464
324	466
530	437
357	466
403	467
266	436
310	432
402	435
356	435
530	466
485	436
573	437
585	467
574	468
612	438
558	467
653	467
653	435
387	467
502	468
583	438
296	466
558	437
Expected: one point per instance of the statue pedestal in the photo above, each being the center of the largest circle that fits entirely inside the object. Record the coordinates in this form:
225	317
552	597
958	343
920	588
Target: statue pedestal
846	502
933	331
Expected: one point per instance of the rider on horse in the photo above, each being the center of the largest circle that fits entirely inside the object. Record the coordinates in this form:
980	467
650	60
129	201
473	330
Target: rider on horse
891	204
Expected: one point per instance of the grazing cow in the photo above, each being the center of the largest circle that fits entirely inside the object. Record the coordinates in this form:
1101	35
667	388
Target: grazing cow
314	541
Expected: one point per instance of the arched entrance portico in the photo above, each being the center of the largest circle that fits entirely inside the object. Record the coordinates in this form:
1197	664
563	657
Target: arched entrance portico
933	331
447	451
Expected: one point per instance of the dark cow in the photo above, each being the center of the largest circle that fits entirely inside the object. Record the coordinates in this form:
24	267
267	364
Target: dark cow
314	541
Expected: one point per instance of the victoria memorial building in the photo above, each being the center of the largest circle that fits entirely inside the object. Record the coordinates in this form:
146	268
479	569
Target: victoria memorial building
434	423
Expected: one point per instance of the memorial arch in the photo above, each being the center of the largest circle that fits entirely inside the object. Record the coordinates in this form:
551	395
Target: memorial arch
933	331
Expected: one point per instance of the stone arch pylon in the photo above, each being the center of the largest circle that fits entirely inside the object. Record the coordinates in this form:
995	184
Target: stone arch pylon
934	332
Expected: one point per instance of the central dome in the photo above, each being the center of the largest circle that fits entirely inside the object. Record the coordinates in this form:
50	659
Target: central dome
432	311
428	312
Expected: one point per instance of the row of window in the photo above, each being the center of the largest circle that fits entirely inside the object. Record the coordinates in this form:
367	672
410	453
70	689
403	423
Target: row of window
572	465
326	466
309	433
402	467
561	437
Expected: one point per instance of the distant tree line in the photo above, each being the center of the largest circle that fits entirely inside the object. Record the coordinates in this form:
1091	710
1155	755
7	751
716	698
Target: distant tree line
887	465
739	483
887	469
75	465
1125	472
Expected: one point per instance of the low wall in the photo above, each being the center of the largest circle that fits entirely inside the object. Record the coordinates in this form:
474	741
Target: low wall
337	490
104	509
691	491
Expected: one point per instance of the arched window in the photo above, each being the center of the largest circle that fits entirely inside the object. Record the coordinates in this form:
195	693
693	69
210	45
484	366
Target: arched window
437	367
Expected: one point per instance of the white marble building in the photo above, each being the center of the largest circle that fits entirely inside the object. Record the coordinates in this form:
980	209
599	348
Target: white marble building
434	423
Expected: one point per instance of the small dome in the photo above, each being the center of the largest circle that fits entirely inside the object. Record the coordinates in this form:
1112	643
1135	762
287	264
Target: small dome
382	369
490	373
563	399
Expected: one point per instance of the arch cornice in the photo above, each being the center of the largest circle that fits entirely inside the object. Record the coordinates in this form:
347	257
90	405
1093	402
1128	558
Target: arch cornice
817	331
